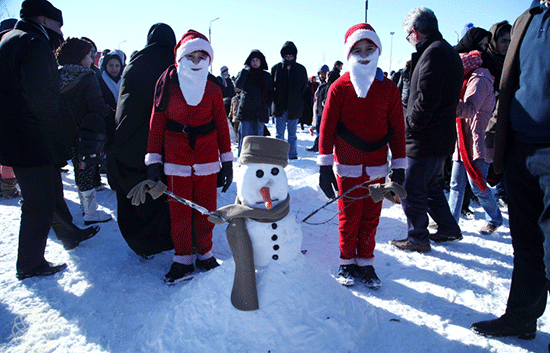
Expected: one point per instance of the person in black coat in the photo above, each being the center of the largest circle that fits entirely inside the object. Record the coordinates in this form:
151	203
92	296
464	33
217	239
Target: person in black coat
31	138
436	82
146	228
256	90
289	86
227	87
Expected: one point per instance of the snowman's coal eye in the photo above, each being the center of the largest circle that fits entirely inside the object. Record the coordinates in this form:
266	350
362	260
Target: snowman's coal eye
275	171
260	173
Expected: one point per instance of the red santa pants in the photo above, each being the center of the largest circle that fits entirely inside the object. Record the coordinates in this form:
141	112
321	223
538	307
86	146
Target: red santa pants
358	217
187	223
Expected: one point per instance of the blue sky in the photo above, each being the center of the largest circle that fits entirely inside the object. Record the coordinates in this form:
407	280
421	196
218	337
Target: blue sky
316	27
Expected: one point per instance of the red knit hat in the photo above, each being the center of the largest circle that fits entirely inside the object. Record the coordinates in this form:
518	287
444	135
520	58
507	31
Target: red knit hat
471	61
193	41
359	32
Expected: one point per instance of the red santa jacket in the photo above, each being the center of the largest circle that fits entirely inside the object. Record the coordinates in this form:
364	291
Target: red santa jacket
369	119
173	148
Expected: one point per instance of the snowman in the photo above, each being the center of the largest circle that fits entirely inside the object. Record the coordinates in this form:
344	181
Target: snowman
261	231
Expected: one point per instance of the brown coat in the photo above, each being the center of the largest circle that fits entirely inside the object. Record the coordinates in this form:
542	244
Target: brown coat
508	85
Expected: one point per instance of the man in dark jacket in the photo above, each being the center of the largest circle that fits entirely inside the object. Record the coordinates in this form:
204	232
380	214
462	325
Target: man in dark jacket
32	140
146	228
522	151
228	89
435	86
289	86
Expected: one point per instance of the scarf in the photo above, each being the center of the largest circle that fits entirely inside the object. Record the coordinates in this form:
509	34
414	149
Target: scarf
258	80
192	83
113	86
470	63
224	80
238	210
362	76
70	75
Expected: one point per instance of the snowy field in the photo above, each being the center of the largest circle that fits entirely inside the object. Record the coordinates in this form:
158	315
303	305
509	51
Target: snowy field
111	300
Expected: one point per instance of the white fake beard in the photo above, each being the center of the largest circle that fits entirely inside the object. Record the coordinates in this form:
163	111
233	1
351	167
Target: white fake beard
192	83
362	76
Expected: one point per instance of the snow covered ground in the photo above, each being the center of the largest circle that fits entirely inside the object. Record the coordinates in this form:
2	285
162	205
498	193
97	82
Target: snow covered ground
111	300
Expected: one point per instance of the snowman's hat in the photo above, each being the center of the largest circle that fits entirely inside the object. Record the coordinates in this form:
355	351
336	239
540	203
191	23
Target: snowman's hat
265	150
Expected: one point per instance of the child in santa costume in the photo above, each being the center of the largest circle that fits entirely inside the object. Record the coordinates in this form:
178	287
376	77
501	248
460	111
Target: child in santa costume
362	116
188	138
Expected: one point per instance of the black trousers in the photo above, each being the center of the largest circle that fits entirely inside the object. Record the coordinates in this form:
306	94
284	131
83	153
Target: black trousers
527	171
42	191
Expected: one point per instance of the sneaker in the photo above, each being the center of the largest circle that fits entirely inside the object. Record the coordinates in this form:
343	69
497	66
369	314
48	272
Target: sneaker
501	328
440	238
208	264
488	228
178	272
345	275
467	213
407	245
46	269
368	276
502	203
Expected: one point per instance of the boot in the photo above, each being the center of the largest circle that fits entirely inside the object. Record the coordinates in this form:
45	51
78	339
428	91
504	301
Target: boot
89	204
68	233
9	188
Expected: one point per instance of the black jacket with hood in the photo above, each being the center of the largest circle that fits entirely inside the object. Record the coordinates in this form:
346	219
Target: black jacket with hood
289	85
252	105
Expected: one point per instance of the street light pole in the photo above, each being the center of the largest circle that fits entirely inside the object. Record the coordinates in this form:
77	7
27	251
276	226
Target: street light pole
210	35
366	9
391	48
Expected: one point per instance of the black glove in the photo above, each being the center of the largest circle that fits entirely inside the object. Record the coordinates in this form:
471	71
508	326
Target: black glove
327	181
225	176
398	176
155	171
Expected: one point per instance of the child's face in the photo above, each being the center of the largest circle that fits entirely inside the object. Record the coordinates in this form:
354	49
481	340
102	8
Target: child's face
255	63
196	57
363	48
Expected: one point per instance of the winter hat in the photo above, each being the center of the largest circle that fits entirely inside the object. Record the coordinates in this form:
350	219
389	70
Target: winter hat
471	61
289	49
359	32
223	68
33	8
265	150
193	41
72	51
324	69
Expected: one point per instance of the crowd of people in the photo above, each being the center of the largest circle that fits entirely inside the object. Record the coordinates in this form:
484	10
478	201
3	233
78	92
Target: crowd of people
461	116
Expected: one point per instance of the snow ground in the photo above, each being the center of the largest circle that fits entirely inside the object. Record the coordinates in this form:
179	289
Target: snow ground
111	300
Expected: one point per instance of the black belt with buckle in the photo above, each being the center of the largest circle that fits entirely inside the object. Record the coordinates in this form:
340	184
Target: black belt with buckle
191	131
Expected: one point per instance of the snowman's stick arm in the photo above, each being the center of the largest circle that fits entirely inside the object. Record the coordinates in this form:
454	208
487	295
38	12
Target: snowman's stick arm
334	199
195	206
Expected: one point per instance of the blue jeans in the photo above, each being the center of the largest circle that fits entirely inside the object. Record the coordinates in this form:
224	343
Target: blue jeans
249	128
282	123
527	170
459	178
425	196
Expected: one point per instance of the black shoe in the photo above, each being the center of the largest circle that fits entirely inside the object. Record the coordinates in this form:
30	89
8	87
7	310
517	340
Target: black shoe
501	328
207	265
408	245
439	237
313	149
367	275
78	237
346	275
178	272
46	269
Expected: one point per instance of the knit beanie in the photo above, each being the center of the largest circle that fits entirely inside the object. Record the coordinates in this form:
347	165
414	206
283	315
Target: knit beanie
471	61
264	150
223	68
33	8
190	42
359	32
324	69
72	51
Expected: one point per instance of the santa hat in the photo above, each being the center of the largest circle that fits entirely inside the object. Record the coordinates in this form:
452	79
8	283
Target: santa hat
359	32
193	41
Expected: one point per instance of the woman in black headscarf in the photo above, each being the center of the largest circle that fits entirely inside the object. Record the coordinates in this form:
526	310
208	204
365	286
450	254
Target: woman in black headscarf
475	39
146	228
493	57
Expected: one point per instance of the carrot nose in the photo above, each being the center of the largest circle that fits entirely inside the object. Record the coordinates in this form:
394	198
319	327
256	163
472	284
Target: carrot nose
267	197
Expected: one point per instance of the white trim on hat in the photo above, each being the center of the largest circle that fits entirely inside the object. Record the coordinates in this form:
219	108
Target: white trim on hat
192	45
358	35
